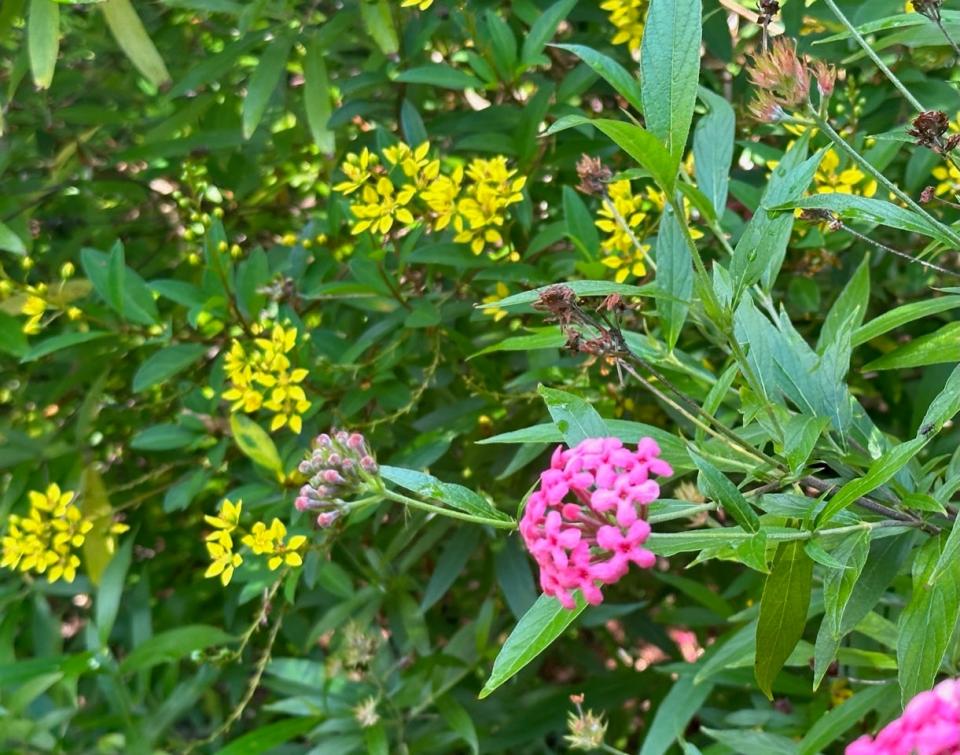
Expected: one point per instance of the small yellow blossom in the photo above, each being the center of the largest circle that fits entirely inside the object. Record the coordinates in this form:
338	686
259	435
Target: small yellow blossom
357	169
496	312
34	307
441	197
226	520
381	206
45	540
413	162
264	540
627	17
849	181
481	212
223	560
288	239
620	247
420	4
948	179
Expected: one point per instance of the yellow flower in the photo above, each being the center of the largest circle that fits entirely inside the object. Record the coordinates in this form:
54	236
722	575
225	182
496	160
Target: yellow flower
357	169
849	181
34	307
413	162
222	558
948	178
227	519
381	206
628	263
421	4
627	17
496	312
482	210
53	500
441	196
284	553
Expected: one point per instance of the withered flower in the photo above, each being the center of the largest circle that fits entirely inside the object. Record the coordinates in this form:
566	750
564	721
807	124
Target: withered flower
768	9
929	128
782	77
560	301
826	76
594	175
928	8
928	194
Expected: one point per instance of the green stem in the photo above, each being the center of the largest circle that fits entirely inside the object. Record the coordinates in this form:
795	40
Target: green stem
682	514
880	178
914	102
452	513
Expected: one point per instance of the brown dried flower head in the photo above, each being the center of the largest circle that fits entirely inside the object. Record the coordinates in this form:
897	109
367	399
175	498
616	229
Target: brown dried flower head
781	76
594	175
826	76
928	8
929	128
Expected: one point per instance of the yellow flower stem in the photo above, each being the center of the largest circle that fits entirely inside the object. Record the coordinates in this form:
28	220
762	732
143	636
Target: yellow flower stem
880	178
452	513
898	85
622	222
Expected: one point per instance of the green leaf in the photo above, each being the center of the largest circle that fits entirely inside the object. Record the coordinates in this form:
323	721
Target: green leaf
718	488
495	36
264	82
163	437
573	416
116	266
783	612
453	558
761	248
580	227
713	149
837	721
59	342
111	590
901	316
12	339
11	242
377	17
867	209
459	721
674	713
550	338
172	645
43	40
456	496
850	307
801	434
439	75
104	271
838	584
266	738
927	622
317	98
580	288
166	363
610	71
670	70
674	277
543	30
540	626
255	443
881	470
641	145
671	543
127	29
940	347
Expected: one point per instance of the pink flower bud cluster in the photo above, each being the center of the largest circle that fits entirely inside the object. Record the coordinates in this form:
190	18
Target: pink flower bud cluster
339	466
586	523
930	725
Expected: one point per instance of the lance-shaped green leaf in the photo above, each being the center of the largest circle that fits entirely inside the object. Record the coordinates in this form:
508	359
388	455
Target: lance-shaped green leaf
838	583
849	308
535	632
573	416
670	70
717	487
674	276
783	612
543	30
264	83
837	721
940	347
43	40
610	71
128	30
674	714
927	622
377	18
166	363
713	149
317	99
580	288
255	443
456	496
916	310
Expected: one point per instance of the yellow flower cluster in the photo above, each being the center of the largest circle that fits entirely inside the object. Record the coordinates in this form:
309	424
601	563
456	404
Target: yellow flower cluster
622	253
829	179
627	17
261	540
420	4
473	202
38	301
45	541
261	376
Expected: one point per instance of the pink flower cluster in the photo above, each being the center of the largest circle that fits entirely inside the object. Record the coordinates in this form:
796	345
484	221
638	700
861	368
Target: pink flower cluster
586	523
930	725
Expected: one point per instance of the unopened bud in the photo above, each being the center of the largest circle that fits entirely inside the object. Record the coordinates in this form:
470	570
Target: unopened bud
327	518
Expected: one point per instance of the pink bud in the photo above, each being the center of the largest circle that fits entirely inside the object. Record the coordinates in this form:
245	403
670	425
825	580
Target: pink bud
327	518
355	441
301	504
333	477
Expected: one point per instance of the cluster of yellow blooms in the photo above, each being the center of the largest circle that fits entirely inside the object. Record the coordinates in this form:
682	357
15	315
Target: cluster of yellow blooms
473	202
829	179
620	247
627	17
40	300
261	376
420	4
261	540
45	541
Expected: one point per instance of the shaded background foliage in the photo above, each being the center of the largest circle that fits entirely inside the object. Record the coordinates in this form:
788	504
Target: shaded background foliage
213	171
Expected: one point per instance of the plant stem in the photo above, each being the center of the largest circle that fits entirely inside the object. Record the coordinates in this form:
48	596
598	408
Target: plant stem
870	505
452	513
898	85
882	179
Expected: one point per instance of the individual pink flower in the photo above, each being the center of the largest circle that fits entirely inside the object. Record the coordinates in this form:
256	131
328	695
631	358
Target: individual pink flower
586	523
930	725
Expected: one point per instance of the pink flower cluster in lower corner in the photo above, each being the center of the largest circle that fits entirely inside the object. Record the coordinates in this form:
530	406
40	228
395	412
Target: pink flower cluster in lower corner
586	523
930	725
